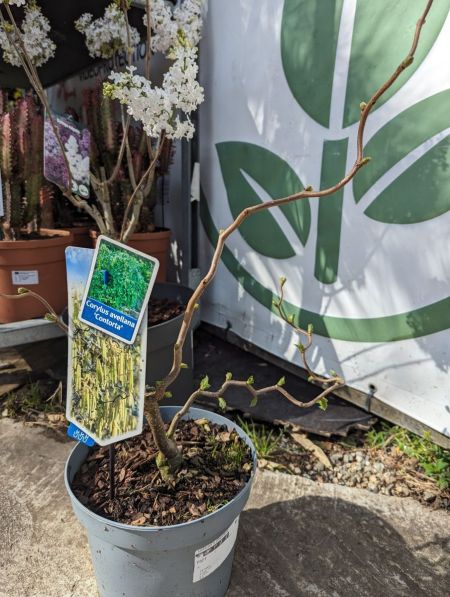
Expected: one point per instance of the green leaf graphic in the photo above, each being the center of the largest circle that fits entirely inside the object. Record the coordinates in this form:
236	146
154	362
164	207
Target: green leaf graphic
309	34
278	179
382	36
422	191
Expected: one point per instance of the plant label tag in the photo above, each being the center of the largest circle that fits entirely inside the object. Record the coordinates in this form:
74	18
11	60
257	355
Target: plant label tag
105	377
25	277
211	556
117	290
76	141
80	436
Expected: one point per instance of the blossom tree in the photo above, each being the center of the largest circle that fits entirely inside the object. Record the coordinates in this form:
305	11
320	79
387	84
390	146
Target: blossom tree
164	112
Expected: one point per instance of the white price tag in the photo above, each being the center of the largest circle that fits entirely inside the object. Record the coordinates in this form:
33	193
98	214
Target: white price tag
210	557
25	277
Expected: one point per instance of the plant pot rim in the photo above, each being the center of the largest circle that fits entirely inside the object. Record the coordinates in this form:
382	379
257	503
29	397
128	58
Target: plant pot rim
197	413
56	238
83	227
161	233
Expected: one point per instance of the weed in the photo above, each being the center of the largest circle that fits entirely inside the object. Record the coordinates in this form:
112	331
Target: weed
433	460
265	441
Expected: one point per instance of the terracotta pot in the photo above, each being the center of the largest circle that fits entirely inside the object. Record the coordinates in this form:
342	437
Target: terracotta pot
155	244
38	265
81	236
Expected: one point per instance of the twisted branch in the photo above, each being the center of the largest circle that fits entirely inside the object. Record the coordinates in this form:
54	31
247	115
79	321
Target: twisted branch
307	193
51	315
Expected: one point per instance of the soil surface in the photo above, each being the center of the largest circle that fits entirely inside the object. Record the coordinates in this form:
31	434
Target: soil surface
160	310
216	466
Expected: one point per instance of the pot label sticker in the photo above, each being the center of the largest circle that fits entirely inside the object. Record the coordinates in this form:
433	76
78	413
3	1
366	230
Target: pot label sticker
105	377
25	277
76	141
80	436
117	291
209	558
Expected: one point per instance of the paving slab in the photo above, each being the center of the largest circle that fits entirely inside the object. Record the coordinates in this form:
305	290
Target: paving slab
296	538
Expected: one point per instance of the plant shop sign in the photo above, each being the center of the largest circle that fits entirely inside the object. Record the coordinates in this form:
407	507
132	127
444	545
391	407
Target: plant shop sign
106	377
117	290
368	266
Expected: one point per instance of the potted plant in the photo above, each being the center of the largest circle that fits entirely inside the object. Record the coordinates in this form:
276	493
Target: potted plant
133	554
31	250
100	114
127	155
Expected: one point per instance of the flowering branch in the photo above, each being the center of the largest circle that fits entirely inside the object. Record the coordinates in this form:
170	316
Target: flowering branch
158	109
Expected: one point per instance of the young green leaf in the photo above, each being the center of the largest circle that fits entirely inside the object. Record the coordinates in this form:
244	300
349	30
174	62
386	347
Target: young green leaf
323	403
167	394
250	380
254	401
184	366
229	376
310	328
204	383
222	403
281	381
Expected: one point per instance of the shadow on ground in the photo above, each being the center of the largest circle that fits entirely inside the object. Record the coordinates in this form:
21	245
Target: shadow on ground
329	547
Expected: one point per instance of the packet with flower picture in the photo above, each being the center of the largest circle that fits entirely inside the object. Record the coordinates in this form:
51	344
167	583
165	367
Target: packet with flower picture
106	377
76	141
117	290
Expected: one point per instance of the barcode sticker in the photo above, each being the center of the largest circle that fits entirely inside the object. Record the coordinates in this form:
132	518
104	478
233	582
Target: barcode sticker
211	556
26	277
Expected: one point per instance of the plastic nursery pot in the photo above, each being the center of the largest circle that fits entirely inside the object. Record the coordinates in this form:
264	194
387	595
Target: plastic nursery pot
162	337
155	244
81	236
39	265
192	559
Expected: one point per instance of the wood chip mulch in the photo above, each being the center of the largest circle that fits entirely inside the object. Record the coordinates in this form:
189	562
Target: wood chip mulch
216	466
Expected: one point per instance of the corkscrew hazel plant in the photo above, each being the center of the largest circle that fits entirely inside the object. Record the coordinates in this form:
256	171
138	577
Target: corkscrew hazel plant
169	458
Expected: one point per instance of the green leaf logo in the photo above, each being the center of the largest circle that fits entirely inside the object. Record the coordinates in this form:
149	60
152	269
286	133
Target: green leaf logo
334	55
244	162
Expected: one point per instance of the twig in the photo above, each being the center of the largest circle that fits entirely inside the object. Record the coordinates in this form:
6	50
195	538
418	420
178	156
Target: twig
50	316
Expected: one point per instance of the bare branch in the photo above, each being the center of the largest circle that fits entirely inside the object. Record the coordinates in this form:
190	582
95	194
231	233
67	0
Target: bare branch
50	316
334	385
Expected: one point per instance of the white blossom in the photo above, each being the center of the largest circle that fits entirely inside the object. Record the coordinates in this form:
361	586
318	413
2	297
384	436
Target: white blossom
13	2
107	34
79	166
34	33
167	22
165	108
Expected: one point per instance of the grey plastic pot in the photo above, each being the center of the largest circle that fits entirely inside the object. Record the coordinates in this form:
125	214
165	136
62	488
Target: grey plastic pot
160	341
172	561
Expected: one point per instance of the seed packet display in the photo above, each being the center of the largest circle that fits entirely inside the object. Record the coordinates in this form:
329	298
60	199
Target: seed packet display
117	291
106	378
76	141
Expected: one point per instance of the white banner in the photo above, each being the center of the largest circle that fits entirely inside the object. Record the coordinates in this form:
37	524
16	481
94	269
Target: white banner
369	267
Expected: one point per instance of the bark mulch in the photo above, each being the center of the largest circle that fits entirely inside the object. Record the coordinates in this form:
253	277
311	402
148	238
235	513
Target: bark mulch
216	466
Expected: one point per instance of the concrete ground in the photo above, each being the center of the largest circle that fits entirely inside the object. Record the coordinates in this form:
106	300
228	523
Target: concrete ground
296	538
